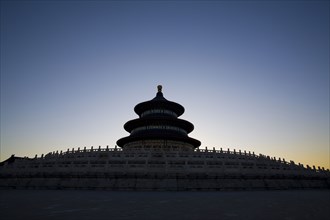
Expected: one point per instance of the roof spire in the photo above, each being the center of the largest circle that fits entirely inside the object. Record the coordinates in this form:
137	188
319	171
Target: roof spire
159	87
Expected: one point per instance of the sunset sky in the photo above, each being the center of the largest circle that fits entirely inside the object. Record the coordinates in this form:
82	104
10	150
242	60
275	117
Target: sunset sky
252	75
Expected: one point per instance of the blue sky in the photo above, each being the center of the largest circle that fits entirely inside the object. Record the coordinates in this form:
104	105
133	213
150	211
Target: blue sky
252	75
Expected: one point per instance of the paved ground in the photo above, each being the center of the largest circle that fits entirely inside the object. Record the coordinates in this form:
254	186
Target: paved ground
67	204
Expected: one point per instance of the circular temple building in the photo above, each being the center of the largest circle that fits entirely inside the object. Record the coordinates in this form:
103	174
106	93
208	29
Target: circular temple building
158	126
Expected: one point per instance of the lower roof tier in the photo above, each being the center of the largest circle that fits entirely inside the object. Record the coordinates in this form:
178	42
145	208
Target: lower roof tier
160	136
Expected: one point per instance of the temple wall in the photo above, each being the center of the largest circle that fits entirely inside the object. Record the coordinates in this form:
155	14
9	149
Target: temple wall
115	169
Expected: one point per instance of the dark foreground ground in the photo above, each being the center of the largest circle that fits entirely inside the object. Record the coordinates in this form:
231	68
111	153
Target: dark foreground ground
67	204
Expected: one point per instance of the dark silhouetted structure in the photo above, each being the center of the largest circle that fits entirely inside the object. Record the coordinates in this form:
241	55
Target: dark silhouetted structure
159	126
159	155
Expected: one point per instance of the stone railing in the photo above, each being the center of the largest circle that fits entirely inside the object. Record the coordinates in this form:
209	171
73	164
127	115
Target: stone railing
228	152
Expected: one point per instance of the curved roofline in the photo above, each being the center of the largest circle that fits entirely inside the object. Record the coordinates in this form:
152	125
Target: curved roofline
181	123
159	102
185	139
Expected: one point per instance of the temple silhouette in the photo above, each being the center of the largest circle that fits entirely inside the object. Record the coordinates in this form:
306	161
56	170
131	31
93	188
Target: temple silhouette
159	126
158	154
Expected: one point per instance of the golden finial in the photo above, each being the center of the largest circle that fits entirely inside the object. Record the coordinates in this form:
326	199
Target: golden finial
159	87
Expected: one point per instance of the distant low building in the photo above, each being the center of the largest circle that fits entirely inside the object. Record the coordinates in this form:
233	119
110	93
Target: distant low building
158	155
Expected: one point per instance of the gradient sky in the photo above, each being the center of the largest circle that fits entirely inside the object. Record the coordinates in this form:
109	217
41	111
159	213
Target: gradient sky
252	75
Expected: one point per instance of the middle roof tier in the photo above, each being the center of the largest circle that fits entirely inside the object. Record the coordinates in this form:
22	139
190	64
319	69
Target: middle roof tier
159	121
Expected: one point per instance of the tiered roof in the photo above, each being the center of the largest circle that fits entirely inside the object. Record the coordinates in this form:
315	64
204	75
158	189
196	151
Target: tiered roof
158	120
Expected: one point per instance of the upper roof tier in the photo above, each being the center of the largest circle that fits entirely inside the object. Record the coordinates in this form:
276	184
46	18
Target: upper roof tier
159	102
